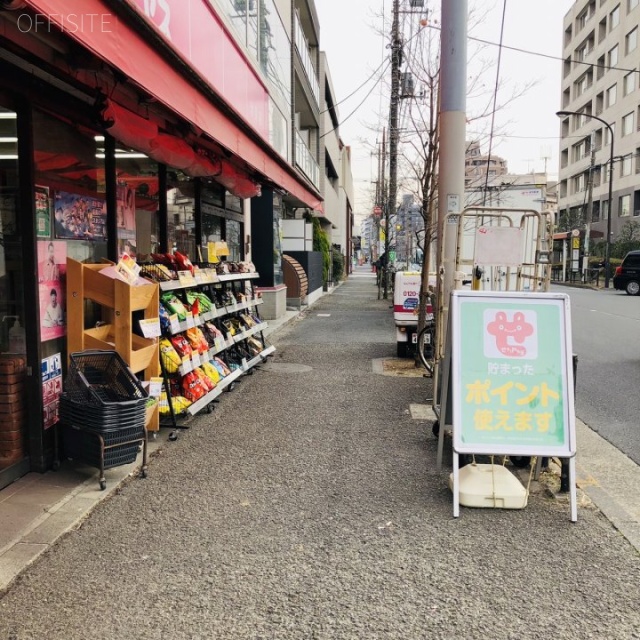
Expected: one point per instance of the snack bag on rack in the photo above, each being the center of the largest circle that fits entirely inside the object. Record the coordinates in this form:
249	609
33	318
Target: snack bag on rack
181	345
221	366
170	358
237	324
179	403
228	327
192	387
165	259
197	340
165	322
254	345
212	333
174	305
204	303
248	320
211	372
184	264
205	379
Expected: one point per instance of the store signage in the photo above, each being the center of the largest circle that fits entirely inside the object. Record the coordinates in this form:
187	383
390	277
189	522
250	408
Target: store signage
150	327
51	370
194	31
512	374
155	387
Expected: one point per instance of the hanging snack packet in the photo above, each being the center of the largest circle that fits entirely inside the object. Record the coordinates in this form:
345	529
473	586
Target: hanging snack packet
181	345
170	358
174	305
197	340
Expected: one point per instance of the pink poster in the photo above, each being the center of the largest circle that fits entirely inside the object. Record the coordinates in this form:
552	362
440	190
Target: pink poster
126	220
52	269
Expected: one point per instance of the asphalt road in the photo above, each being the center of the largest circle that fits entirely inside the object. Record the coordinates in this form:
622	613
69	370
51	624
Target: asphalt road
606	339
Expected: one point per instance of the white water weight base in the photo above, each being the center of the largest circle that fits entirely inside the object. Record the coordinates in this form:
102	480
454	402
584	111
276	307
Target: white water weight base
491	486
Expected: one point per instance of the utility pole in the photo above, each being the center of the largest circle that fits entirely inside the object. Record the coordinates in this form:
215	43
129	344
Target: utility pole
589	216
390	208
382	162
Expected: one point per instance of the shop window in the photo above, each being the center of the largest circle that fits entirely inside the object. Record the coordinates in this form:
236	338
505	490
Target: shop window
70	195
234	239
12	308
137	197
181	213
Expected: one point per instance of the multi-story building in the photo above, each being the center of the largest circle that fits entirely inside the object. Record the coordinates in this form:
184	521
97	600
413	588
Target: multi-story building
600	94
477	164
409	225
336	182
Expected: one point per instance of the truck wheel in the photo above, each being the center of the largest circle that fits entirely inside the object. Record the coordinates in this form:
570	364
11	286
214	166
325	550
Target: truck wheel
402	349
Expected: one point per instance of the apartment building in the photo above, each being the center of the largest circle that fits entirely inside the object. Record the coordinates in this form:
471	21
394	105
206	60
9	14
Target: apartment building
336	182
600	97
477	165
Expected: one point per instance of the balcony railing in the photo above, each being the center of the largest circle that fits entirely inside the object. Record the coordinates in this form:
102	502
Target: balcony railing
303	50
306	162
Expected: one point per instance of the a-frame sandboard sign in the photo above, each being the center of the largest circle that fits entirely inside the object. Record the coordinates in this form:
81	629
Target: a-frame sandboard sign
511	383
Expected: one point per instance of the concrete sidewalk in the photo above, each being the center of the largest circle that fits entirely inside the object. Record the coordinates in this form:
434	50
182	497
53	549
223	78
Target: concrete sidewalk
322	507
39	508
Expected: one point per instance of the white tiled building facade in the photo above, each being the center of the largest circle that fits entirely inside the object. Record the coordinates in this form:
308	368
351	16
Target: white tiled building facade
600	79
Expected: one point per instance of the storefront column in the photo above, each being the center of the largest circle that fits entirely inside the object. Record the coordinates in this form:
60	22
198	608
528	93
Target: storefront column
246	212
111	197
33	381
163	216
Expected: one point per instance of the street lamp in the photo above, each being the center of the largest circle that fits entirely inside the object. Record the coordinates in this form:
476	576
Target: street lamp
607	244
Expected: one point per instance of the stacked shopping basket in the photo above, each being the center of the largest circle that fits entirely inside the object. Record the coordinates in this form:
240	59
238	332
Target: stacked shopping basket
103	412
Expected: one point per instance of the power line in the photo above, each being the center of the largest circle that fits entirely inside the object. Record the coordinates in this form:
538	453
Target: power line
360	87
543	55
361	103
495	99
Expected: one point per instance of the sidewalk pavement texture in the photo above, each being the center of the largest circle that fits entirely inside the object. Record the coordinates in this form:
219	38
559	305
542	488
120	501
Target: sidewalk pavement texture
308	505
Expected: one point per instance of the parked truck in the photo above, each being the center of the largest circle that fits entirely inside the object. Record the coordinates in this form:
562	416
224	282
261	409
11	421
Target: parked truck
406	298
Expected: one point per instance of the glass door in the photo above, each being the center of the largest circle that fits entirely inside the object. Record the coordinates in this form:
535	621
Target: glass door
13	348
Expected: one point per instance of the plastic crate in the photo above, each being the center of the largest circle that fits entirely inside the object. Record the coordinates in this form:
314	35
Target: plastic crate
102	379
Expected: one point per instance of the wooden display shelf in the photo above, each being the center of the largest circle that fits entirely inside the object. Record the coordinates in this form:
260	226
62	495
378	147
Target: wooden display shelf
119	300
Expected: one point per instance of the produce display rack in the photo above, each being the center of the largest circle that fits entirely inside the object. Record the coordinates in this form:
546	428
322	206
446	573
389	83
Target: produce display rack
229	348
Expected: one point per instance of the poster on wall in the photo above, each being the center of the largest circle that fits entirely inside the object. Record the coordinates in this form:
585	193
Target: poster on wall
52	268
51	370
43	212
126	207
79	217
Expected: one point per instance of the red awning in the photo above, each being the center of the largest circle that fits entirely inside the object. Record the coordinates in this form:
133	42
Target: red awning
121	46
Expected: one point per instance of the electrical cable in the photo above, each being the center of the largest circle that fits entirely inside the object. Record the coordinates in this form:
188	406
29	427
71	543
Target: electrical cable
495	99
543	55
335	104
361	103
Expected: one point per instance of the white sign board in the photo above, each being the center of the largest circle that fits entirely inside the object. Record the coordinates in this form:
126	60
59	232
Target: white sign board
501	246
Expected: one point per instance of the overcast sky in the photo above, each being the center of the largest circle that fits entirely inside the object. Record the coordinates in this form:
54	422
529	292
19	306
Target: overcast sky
350	33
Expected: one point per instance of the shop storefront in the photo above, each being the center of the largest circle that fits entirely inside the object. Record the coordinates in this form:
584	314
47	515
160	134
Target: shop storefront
101	154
